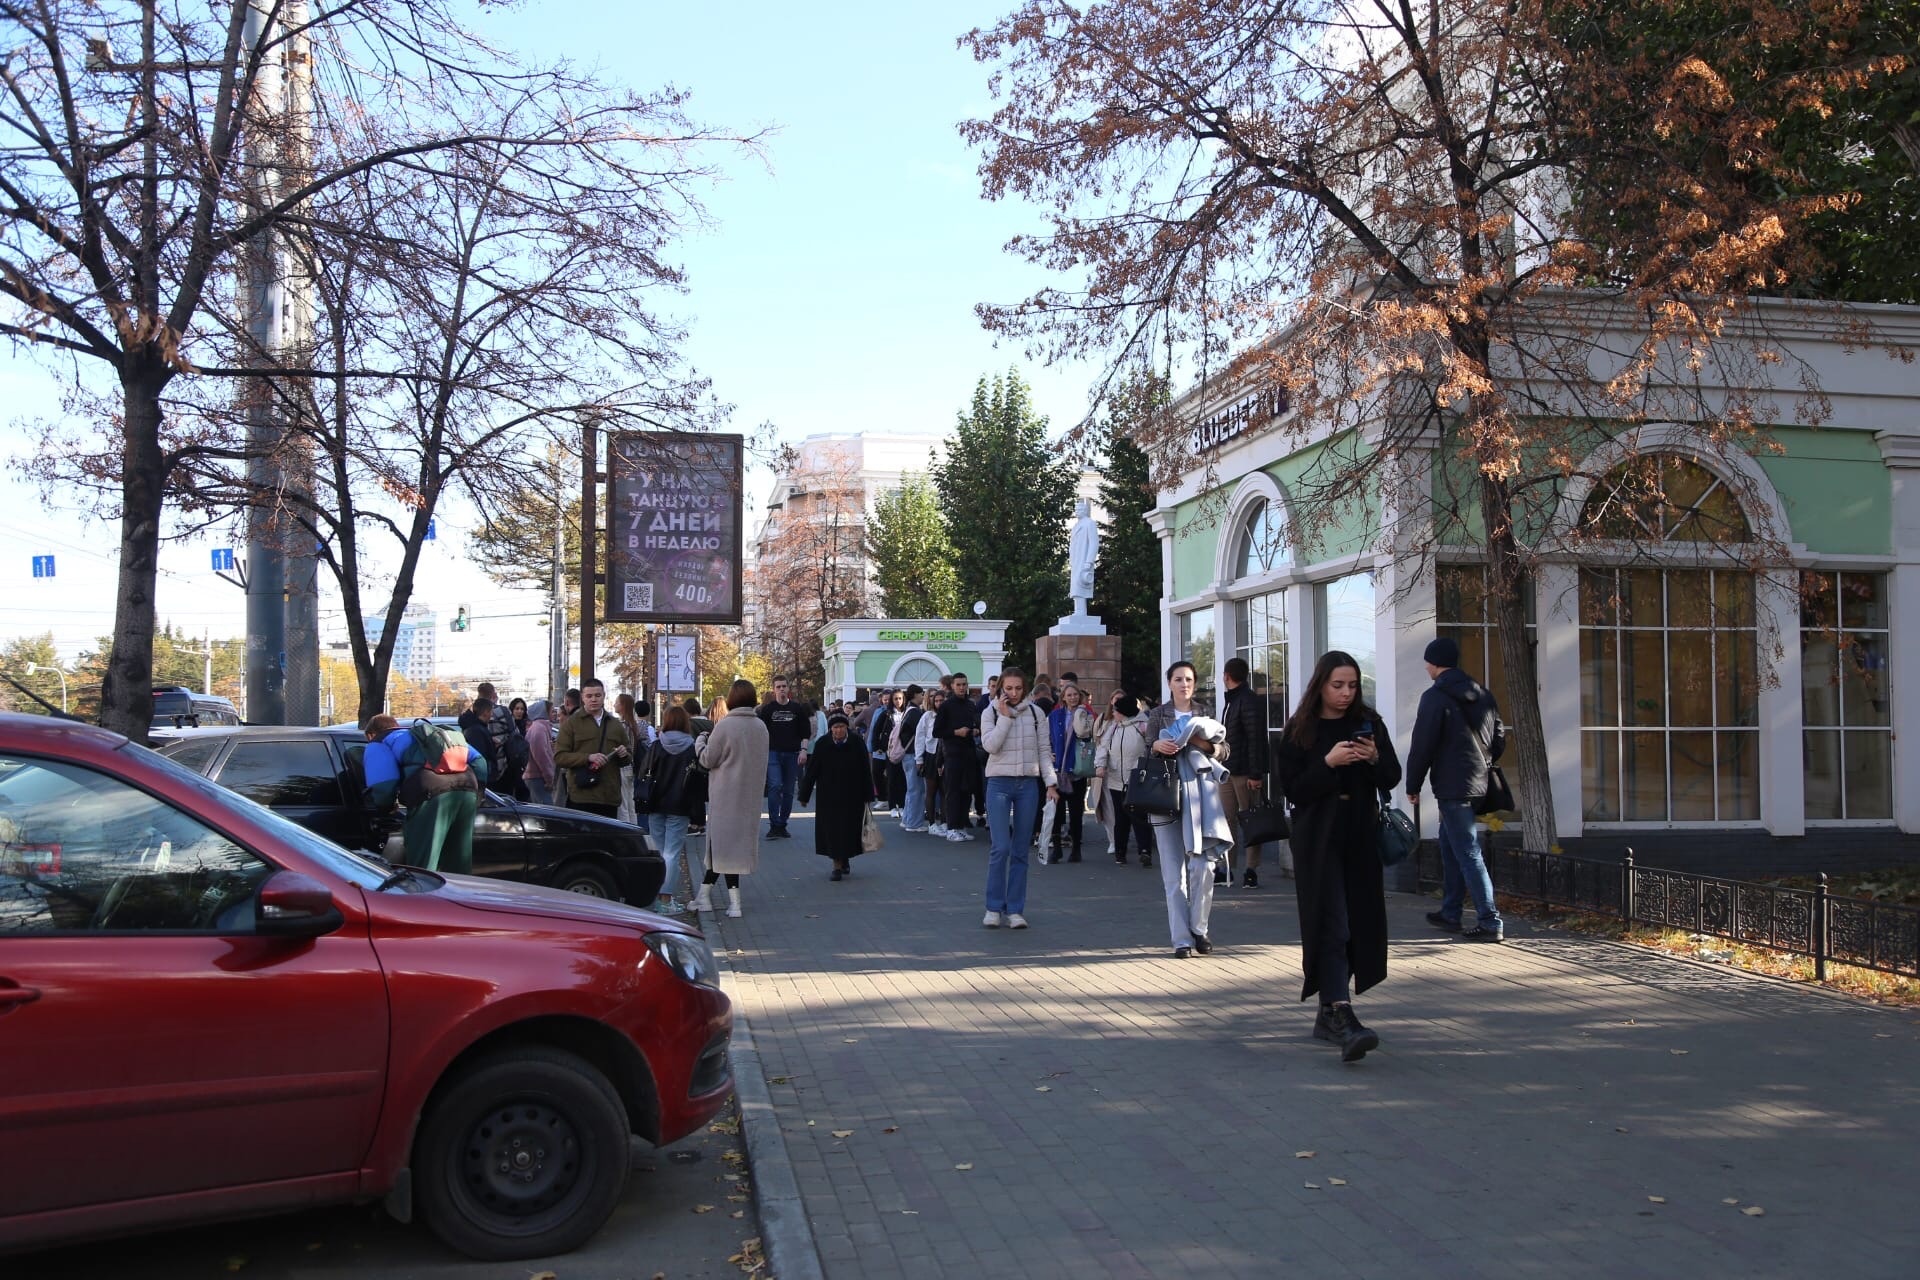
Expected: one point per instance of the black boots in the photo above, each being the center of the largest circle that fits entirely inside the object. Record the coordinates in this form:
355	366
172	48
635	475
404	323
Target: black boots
1339	1024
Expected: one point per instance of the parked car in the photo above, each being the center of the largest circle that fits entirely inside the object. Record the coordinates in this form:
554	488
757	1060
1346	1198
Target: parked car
308	776
209	1011
178	707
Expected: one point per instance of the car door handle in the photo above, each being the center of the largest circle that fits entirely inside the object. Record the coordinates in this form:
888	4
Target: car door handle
12	995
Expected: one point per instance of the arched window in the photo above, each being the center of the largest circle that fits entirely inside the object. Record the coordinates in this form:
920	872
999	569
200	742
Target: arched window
1664	497
920	671
1262	545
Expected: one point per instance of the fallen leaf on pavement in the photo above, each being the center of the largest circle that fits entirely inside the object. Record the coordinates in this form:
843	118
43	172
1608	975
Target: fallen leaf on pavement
964	1167
1303	1155
1656	1199
1883	1035
543	1275
739	1213
1619	1128
1678	1053
778	1079
236	1262
892	1128
1312	1186
703	1208
1043	1088
1754	1211
1729	1200
1336	1182
851	1040
736	1199
843	1133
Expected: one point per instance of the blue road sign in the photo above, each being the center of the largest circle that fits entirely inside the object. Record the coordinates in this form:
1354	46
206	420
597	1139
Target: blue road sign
432	527
222	558
43	566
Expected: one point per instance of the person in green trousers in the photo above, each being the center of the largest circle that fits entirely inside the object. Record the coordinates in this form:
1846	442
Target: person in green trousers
438	833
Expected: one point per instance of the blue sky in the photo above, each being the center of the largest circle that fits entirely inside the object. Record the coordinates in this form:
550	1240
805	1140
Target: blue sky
835	291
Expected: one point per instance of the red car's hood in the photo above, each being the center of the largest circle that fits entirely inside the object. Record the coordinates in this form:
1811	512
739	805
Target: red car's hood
532	900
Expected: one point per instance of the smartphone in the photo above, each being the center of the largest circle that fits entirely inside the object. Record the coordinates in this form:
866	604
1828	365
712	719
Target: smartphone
1364	731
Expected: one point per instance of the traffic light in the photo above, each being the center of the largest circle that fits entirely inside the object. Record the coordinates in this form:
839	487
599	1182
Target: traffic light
460	620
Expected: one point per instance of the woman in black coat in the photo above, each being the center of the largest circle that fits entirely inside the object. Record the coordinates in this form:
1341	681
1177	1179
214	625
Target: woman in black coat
839	768
1334	760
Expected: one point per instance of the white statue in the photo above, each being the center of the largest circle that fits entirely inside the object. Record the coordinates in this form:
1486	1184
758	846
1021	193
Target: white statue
1082	551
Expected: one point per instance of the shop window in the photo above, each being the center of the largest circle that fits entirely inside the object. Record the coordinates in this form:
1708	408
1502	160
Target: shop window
1461	612
1663	497
1345	610
1669	696
1260	638
1845	665
1197	647
1261	544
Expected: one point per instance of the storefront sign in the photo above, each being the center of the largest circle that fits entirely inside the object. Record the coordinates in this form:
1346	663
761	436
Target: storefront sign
924	637
673	527
1257	410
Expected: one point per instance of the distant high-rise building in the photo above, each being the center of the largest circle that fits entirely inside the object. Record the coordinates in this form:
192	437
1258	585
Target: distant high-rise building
415	648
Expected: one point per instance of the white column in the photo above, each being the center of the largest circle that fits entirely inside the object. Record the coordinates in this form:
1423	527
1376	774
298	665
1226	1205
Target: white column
1303	641
1557	608
1783	794
1901	451
1403	624
1160	520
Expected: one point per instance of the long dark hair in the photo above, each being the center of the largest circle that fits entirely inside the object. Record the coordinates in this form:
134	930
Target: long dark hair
1305	720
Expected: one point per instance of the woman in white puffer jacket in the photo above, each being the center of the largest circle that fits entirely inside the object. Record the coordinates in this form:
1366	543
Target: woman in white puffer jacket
1121	742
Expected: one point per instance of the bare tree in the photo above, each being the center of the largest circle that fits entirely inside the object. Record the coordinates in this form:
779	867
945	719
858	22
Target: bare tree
812	565
142	165
1360	215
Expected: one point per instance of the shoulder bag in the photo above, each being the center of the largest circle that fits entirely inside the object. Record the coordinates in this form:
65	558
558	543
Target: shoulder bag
585	776
1264	822
1499	797
870	838
1154	785
1397	835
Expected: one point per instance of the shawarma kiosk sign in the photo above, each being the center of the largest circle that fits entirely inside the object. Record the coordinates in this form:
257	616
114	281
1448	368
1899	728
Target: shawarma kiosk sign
674	527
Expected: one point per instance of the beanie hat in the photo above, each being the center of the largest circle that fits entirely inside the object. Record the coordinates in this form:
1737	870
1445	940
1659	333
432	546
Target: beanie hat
1444	652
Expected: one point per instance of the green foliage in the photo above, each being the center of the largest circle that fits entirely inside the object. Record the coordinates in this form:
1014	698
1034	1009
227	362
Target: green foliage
178	659
1006	496
912	555
1127	582
515	544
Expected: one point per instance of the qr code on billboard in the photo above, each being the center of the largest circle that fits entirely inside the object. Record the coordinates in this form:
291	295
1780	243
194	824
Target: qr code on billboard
639	597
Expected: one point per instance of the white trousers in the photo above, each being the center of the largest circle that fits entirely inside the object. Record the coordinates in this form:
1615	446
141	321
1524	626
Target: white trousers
1189	884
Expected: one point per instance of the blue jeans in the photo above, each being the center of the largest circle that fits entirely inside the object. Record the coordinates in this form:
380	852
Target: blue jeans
538	792
1462	866
783	775
915	814
669	832
1013	805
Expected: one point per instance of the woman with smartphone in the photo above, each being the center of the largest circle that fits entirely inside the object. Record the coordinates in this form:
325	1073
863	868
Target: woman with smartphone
1335	759
1195	839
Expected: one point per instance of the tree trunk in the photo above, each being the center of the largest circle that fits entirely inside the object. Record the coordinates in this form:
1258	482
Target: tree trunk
126	696
1507	582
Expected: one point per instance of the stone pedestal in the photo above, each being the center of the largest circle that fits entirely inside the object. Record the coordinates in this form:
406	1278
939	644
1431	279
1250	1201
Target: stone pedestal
1094	658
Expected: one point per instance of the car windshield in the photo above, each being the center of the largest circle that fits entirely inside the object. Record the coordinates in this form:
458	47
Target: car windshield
345	863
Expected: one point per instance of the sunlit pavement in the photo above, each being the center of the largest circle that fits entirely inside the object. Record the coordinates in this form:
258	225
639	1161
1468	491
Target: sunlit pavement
1071	1100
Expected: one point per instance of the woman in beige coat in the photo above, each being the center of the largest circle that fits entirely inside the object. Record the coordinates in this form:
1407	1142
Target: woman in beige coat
735	754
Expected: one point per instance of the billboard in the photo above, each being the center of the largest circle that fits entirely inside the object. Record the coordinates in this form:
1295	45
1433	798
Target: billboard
673	527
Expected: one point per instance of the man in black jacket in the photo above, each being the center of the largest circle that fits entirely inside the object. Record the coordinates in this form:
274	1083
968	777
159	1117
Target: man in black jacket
789	727
957	726
1244	714
1456	737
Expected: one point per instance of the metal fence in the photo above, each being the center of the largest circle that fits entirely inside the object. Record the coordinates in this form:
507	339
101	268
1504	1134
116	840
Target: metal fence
1810	922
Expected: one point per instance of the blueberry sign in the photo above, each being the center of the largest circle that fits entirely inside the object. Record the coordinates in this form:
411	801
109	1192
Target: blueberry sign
674	527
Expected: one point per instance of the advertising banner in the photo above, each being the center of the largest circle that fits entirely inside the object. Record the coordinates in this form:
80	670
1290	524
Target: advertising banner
673	527
677	665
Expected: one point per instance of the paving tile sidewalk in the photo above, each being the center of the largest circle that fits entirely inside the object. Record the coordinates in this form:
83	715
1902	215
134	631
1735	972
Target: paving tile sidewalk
1071	1101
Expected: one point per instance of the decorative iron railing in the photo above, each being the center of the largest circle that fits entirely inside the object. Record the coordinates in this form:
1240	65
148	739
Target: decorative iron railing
1882	936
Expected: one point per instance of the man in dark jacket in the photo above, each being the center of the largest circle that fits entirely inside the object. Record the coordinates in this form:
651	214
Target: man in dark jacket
789	730
477	723
957	726
1243	712
1456	736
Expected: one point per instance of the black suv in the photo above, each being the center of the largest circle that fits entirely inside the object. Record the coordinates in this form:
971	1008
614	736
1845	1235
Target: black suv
307	775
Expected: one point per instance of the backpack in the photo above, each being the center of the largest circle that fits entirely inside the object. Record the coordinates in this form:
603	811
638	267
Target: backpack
896	749
519	754
434	763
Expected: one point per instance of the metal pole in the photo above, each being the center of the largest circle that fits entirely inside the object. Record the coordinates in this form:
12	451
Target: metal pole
266	566
589	521
557	641
303	561
206	642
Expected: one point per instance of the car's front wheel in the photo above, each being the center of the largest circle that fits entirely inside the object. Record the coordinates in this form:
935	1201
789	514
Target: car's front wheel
523	1155
585	878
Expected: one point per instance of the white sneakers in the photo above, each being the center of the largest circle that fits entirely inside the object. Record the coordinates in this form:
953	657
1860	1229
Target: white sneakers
991	920
1016	921
916	831
958	837
938	829
893	813
1013	918
733	904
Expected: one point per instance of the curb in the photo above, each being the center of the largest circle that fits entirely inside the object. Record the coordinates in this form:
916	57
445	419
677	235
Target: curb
786	1233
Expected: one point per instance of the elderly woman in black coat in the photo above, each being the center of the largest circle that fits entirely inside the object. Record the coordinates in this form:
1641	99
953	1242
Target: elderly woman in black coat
838	768
1334	760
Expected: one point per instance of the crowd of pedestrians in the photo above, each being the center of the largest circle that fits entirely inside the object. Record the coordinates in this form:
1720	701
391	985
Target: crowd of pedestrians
1026	762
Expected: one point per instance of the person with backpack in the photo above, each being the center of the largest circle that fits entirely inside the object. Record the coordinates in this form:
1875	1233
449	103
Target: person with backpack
590	750
437	774
913	814
1457	736
666	790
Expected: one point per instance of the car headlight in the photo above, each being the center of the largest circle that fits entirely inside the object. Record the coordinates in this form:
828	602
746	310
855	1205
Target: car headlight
687	956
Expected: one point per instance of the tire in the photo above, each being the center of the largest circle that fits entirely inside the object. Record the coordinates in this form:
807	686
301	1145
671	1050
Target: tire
585	878
547	1112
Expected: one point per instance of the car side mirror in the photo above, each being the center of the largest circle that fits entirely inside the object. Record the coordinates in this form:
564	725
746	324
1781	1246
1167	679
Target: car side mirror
292	905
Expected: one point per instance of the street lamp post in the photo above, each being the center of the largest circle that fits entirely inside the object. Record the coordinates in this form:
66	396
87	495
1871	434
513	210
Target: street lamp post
35	668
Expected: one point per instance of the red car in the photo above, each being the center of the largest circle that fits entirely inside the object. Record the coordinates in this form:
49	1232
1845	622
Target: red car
207	1011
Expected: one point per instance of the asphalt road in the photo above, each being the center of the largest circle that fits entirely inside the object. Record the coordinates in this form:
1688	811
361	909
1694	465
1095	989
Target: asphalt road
655	1232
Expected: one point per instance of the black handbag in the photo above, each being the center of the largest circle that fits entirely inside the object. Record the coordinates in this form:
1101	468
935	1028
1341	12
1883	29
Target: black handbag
1499	797
1397	836
1264	823
585	776
1154	785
